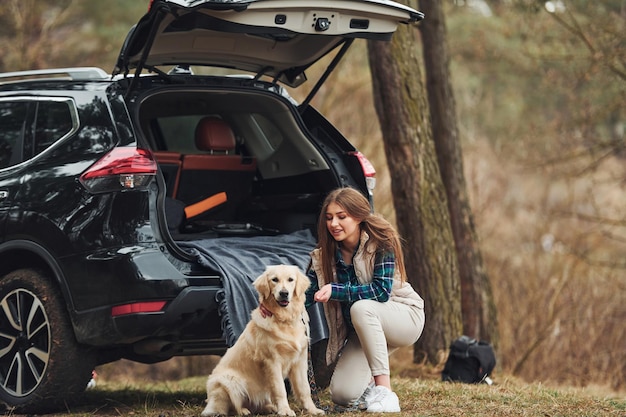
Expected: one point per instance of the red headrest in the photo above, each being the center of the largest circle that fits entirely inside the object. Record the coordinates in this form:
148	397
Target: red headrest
214	134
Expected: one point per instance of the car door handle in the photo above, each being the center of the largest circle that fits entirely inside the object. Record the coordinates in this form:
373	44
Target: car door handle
3	194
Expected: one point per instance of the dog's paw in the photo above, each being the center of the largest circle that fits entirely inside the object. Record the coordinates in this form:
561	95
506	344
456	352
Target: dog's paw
244	412
286	412
315	411
211	413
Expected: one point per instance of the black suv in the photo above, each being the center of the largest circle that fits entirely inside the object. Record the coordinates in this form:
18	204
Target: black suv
137	206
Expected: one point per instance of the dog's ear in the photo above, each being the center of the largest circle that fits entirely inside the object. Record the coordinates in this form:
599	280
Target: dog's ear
262	285
302	283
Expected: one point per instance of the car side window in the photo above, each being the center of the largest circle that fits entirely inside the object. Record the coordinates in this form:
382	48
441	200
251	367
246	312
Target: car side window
12	127
270	130
178	133
53	121
21	138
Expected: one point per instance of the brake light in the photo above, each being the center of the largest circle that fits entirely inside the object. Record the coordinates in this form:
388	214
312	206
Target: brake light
122	169
368	170
134	308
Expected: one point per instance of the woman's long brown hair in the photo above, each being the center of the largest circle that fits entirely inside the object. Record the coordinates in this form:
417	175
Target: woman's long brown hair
381	232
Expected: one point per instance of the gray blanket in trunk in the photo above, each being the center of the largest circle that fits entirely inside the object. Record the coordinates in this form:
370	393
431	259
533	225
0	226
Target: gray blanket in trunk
240	260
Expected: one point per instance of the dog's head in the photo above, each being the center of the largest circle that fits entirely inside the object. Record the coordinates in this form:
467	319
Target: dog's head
282	285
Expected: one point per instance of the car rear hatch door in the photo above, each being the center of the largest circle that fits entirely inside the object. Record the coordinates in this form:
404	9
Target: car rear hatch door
275	38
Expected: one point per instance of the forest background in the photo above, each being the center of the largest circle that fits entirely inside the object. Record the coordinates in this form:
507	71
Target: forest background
540	89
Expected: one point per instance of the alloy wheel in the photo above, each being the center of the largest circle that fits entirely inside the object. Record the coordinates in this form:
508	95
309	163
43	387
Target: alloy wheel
25	340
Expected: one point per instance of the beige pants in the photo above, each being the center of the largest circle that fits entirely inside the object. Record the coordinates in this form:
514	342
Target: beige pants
380	328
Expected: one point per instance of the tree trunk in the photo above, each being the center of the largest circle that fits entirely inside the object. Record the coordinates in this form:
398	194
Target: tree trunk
478	308
418	192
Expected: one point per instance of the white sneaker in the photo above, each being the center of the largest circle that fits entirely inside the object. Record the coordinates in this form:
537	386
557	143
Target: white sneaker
383	400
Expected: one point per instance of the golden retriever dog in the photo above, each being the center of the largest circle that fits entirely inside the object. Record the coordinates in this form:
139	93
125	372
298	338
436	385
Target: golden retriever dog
250	377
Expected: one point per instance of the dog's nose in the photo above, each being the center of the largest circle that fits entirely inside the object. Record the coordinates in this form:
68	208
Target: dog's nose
284	294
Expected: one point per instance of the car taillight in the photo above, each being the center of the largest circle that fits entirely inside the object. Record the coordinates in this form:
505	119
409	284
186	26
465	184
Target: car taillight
368	170
136	308
122	169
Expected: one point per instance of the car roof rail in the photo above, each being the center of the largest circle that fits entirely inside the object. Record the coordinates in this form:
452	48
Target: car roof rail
69	74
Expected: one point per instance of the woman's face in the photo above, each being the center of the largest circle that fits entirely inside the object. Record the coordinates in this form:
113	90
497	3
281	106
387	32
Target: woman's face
341	226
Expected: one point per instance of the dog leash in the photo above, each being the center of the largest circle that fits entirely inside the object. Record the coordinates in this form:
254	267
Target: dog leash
314	390
336	409
311	374
312	383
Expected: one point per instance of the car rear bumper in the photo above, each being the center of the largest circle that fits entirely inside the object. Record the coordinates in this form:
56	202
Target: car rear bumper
188	324
138	296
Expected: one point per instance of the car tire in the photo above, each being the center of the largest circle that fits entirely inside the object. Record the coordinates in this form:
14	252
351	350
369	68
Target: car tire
41	364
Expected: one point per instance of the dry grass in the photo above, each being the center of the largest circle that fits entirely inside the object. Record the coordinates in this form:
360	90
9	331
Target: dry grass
419	397
129	389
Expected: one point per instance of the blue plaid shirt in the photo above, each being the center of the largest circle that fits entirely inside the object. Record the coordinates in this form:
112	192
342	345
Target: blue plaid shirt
348	289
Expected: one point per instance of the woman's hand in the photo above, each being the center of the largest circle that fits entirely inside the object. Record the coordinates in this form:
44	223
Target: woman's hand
323	294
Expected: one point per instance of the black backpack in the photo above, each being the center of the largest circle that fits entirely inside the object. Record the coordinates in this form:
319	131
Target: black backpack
470	361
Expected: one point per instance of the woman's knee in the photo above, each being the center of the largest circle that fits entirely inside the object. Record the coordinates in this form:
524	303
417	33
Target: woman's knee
344	394
342	398
363	309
